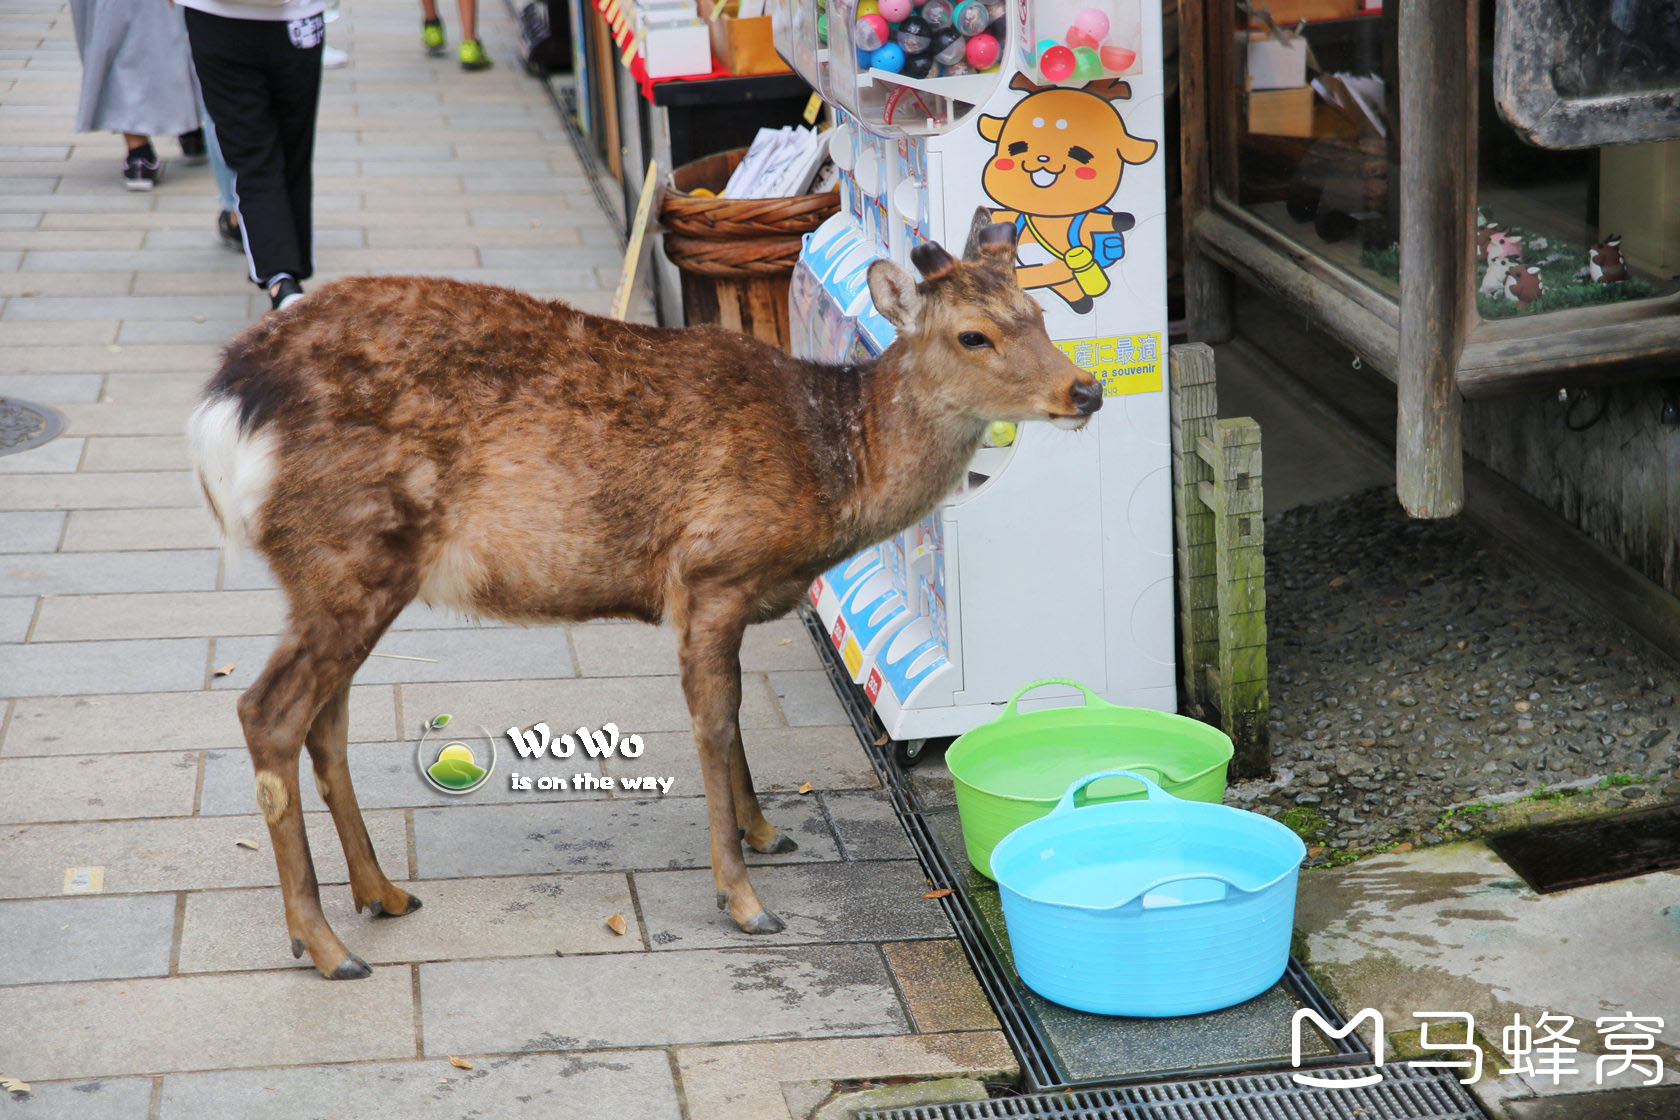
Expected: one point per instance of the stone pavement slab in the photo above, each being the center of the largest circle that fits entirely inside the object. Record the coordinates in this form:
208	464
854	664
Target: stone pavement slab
112	724
93	573
866	824
99	1099
112	1027
615	650
183	853
461	919
187	614
77	668
98	787
15	616
731	1082
827	902
37	531
939	987
620	1083
582	1003
617	835
807	698
86	938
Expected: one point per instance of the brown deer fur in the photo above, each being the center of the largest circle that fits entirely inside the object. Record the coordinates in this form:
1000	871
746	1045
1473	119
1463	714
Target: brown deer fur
392	438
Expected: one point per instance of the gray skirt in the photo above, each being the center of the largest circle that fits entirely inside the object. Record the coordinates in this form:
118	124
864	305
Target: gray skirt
137	73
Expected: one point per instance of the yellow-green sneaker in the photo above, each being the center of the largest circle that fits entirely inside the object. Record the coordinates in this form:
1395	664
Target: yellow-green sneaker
473	56
431	37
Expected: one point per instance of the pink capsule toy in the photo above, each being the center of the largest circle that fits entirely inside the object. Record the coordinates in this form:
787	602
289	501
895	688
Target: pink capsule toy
1056	63
1093	24
1117	59
893	10
983	51
1077	38
870	32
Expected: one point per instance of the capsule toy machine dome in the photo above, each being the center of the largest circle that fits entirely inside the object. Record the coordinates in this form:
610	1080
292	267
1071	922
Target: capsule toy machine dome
1054	556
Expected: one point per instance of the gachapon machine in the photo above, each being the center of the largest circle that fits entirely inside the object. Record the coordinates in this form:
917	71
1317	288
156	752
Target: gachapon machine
1054	557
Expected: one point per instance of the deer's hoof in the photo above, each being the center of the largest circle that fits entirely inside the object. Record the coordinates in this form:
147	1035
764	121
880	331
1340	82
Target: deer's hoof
782	844
350	968
377	908
762	922
723	900
297	947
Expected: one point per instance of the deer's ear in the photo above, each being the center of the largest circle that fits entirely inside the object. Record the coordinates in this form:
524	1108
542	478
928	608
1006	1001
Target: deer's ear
990	242
894	293
932	261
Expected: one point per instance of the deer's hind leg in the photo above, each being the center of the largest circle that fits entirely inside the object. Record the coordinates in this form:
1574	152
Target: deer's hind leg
760	834
312	665
328	741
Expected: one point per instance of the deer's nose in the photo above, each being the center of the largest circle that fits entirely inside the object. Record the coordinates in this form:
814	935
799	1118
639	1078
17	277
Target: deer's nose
1086	396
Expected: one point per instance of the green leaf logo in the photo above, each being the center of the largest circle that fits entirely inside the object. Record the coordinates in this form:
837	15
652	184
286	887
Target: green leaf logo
455	773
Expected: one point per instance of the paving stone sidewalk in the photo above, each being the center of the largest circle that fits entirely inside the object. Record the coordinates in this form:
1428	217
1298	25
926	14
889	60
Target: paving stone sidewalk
168	992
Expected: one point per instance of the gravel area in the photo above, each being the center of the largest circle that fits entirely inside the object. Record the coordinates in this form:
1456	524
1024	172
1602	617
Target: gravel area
1416	668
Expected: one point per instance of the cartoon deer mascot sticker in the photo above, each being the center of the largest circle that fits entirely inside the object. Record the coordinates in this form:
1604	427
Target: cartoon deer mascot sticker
1060	155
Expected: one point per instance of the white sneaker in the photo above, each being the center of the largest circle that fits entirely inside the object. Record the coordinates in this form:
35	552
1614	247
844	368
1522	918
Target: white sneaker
334	59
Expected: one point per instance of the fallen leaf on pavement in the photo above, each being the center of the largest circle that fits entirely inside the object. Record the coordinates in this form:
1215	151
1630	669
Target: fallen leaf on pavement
883	739
806	788
223	671
616	924
13	1085
940	893
243	843
459	1063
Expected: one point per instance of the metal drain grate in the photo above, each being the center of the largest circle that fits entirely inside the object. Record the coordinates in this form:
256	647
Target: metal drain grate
1046	1062
24	424
1403	1094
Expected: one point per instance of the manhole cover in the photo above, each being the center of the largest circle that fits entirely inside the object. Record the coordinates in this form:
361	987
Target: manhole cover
24	424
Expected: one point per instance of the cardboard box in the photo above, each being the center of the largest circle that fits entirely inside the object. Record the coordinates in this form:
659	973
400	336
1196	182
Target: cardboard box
1288	13
676	49
745	46
1276	65
1281	112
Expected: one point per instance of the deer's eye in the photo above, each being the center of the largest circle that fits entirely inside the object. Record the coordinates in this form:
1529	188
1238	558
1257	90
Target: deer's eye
974	340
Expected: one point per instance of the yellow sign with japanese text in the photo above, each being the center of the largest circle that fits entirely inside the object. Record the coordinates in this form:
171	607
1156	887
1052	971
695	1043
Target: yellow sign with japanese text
1125	364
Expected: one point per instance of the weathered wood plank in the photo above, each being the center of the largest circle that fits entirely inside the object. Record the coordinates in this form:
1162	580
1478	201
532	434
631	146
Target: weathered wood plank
1194	406
1437	247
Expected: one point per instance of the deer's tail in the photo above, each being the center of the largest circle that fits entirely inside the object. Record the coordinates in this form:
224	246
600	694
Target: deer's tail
235	465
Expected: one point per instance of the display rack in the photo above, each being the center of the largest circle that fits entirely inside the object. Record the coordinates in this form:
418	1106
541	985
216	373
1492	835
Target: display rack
1054	556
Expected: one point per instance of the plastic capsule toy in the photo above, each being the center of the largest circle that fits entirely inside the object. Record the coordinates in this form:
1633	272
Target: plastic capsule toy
918	66
1056	63
957	69
1087	63
870	32
894	10
937	13
888	57
949	46
914	36
971	17
983	51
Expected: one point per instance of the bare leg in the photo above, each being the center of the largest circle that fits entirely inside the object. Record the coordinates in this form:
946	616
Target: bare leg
327	742
710	626
428	10
469	19
135	139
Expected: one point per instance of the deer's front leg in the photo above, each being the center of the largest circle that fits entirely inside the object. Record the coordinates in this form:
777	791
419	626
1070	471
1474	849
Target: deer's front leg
711	630
760	834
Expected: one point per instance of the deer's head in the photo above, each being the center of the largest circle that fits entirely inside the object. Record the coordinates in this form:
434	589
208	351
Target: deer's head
975	339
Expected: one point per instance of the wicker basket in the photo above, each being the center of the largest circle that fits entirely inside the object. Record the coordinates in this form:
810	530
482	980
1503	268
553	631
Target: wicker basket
736	255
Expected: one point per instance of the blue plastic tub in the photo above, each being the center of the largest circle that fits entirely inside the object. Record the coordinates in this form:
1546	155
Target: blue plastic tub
1150	907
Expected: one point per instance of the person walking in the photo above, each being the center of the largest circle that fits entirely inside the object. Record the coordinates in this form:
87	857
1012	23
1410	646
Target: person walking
431	34
137	79
259	67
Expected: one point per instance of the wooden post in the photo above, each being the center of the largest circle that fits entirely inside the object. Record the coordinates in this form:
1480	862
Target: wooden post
1208	288
1437	238
1239	676
1194	410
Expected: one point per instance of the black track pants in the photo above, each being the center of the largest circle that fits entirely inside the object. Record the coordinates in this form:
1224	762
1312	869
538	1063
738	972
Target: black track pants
262	89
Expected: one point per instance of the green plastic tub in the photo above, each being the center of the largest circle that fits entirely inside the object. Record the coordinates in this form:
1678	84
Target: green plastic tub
1015	768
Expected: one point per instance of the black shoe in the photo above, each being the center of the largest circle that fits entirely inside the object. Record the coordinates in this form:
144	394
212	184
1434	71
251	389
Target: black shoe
284	291
229	229
192	146
142	169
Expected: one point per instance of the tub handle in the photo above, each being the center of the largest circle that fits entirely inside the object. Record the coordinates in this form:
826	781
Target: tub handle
1092	700
1151	790
1142	896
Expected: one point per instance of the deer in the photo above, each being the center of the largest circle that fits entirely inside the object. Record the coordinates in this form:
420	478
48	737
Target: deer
387	439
